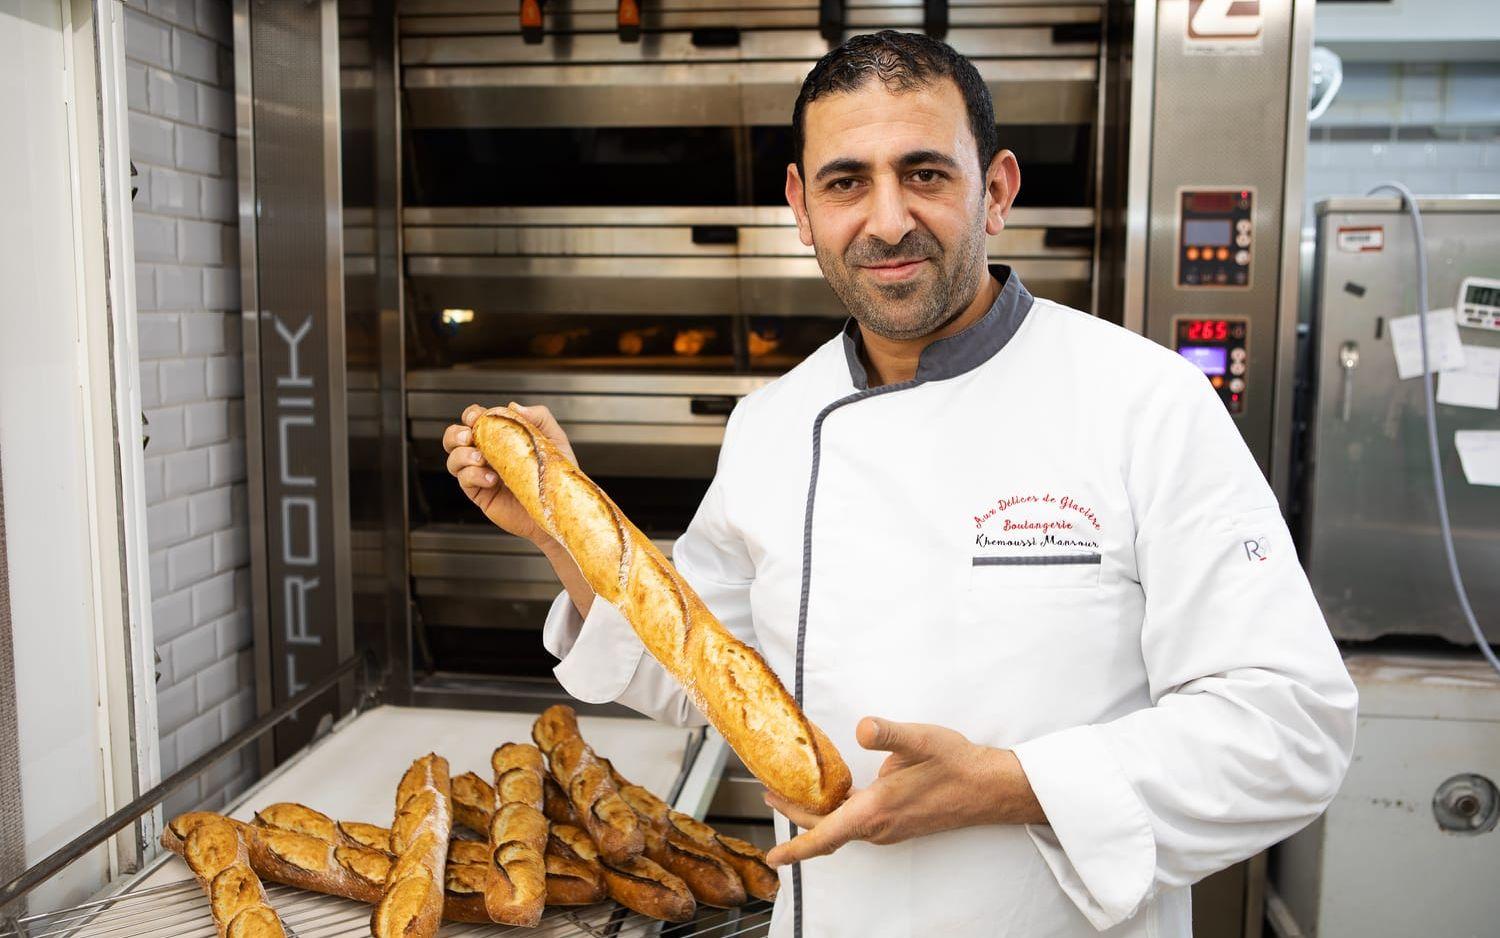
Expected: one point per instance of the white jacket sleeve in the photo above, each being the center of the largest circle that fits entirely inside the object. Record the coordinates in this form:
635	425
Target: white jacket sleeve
602	659
1252	721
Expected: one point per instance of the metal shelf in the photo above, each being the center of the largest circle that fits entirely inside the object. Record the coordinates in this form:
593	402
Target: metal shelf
180	910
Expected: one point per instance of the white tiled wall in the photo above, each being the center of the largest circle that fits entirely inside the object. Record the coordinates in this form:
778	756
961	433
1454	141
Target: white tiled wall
1434	127
180	83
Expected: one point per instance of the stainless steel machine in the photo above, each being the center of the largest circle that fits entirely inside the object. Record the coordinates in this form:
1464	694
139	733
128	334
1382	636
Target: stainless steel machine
1370	538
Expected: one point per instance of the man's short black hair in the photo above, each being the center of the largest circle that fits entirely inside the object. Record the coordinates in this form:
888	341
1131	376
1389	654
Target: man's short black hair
902	62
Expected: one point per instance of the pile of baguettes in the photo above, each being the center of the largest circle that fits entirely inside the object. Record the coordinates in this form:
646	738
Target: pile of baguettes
562	827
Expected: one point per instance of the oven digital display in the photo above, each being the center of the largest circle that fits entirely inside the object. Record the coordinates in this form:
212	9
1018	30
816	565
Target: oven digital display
1214	232
1205	330
1211	360
1483	296
1210	201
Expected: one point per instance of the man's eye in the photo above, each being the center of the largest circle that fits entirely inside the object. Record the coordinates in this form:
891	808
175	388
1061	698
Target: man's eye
927	175
842	185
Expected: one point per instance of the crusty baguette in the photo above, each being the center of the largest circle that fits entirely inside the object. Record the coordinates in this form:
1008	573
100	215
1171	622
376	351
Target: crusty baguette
711	878
516	885
728	680
216	853
519	769
412	903
642	885
556	804
614	827
473	802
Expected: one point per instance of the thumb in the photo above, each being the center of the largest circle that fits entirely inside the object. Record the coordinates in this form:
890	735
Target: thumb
891	736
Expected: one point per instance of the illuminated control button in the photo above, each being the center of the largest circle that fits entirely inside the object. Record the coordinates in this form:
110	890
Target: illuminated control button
1242	258
1242	226
1236	385
1217	381
1192	254
1237	355
1222	254
1236	368
1242	240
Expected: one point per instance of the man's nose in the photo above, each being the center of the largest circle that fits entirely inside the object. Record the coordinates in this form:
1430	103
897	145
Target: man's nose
889	219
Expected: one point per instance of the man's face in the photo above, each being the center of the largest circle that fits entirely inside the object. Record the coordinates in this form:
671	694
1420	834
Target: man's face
896	204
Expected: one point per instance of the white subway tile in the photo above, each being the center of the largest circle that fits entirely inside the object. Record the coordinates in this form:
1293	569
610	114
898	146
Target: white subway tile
171	616
219	775
166	523
183	799
151	140
221	285
239	501
212	801
238	712
195	56
226	377
155	479
166	428
147	40
236	630
157	335
207	423
226	462
180	12
150	387
168	753
145	287
190	562
198	736
178	287
214	597
183	380
218	681
176	705
200	242
171	97
155	238
216	108
203	333
187	472
220	198
158	574
174	193
198	150
209	512
192	653
135	85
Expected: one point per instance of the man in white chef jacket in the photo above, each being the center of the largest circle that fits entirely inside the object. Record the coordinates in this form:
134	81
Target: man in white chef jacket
1016	561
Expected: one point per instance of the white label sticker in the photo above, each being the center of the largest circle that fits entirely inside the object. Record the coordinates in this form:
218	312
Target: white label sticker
1476	384
1479	454
1444	350
1361	240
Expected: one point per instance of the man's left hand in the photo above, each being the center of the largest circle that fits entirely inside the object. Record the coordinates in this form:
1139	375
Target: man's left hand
935	779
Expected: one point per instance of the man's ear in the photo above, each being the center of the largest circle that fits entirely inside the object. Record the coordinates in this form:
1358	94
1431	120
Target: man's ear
796	197
1001	182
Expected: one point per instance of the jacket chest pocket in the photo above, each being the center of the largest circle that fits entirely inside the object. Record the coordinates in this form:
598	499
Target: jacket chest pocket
1062	571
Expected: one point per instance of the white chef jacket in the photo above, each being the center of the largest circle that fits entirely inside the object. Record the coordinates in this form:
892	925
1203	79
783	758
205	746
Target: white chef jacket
1052	540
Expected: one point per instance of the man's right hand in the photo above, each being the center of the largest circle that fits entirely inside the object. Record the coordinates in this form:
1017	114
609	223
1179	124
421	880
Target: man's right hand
482	484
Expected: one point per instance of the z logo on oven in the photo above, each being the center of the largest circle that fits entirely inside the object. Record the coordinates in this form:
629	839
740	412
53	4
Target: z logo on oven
1257	549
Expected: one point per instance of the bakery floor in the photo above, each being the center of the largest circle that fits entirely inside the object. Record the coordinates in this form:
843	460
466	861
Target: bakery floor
351	774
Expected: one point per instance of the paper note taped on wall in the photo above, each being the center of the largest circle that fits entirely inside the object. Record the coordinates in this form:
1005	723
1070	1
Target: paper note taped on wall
1444	350
1479	452
1476	384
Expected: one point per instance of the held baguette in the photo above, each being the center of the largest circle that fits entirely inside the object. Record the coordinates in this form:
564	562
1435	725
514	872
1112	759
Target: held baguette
220	861
728	680
614	827
412	904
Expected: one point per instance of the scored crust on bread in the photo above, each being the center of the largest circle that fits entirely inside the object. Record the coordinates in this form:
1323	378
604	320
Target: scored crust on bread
614	827
725	678
411	905
516	885
216	852
473	802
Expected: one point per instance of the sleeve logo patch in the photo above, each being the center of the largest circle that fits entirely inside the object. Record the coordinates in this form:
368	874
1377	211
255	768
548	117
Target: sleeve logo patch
1257	549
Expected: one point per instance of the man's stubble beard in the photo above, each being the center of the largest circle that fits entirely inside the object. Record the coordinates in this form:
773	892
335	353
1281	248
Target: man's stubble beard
940	296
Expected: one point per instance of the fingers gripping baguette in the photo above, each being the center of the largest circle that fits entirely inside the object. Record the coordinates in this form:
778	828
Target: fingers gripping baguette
611	823
727	679
516	882
412	903
219	859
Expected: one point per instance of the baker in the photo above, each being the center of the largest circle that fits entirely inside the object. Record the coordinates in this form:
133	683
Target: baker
1016	561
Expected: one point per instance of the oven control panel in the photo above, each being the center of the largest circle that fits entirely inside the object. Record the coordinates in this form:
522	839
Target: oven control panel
1215	238
1221	349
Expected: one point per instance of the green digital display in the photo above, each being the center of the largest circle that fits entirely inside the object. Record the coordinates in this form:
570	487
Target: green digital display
1483	296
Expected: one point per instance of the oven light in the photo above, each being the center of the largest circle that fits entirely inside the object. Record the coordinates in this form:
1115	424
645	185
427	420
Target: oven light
456	317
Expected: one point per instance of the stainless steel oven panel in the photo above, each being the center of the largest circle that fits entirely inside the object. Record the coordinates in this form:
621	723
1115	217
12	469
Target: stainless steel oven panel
413	9
570	408
601	18
670	242
790	286
1011	42
493	381
658	216
698	94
